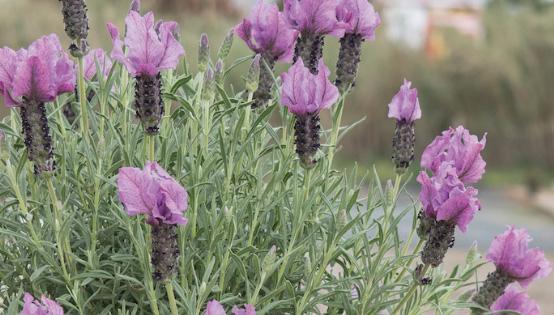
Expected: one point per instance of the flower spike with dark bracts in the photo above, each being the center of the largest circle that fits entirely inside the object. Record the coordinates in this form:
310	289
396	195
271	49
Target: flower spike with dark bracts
153	192
151	48
359	21
266	32
313	19
76	25
305	95
29	78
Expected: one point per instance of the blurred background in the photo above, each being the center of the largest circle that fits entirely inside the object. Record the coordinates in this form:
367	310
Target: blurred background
488	65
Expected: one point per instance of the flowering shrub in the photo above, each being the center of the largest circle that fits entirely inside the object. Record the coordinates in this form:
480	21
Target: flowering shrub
173	195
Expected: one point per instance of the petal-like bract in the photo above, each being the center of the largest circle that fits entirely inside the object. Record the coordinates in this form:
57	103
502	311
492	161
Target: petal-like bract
214	308
247	310
43	307
358	17
314	16
516	300
89	63
405	104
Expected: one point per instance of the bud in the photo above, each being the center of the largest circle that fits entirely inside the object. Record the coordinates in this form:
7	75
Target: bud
342	218
307	266
307	141
441	237
135	6
165	251
226	45
228	214
37	136
265	83
253	75
149	103
389	193
269	259
309	47
219	72
492	289
349	60
203	53
208	90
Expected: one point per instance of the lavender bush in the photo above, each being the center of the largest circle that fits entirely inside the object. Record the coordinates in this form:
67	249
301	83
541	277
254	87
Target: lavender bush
174	195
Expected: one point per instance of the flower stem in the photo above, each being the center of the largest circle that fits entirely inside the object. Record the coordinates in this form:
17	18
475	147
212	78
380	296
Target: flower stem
171	298
411	292
337	118
83	99
57	221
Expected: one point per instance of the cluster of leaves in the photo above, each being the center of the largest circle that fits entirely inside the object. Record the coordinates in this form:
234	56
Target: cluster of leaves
335	233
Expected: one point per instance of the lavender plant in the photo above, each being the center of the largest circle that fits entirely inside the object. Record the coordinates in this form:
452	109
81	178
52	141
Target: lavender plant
270	227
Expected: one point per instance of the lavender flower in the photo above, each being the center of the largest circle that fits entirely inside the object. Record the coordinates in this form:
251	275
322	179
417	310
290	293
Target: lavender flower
447	203
247	310
214	308
516	300
76	25
267	33
152	191
151	48
359	21
28	79
460	147
43	307
89	63
305	95
313	19
404	107
514	261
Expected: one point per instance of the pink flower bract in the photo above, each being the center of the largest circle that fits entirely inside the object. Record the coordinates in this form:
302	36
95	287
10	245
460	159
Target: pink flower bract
516	300
214	308
43	307
314	16
247	310
150	47
461	148
510	253
89	63
41	72
405	104
445	198
153	192
267	32
358	17
303	92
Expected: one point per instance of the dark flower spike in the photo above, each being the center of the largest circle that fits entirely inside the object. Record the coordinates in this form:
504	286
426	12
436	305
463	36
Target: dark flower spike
76	25
203	53
305	95
359	21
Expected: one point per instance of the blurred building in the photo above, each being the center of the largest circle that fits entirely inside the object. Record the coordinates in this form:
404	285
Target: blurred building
423	24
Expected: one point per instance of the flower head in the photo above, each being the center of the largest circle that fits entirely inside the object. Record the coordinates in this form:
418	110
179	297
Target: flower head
247	310
41	72
214	308
313	16
151	47
516	300
461	148
445	198
267	32
510	253
152	191
89	63
358	17
43	307
303	92
405	104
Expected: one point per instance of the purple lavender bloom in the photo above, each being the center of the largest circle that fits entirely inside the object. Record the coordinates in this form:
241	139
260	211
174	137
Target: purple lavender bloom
267	32
358	17
461	148
43	307
89	63
445	198
405	104
214	308
516	300
150	47
303	92
511	254
152	191
39	73
313	16
247	310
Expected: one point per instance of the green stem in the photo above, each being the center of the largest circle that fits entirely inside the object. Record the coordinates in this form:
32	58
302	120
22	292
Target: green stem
171	297
57	221
337	118
411	292
83	99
